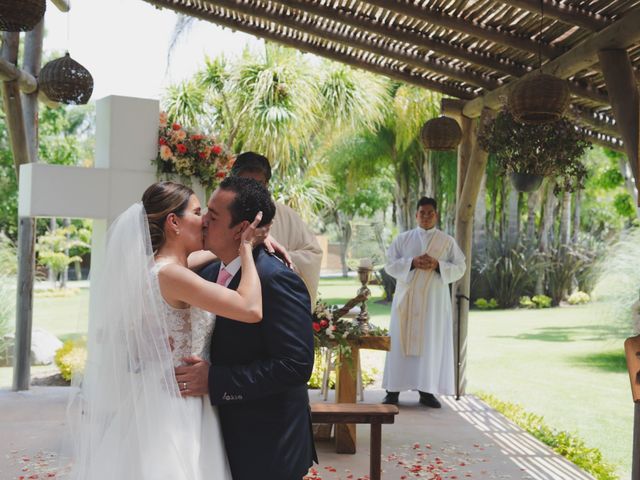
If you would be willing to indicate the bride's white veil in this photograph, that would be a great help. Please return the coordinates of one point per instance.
(128, 420)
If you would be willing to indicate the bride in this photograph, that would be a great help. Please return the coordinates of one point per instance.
(128, 418)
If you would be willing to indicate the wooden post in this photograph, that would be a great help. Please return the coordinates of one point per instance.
(21, 154)
(346, 393)
(375, 451)
(464, 238)
(625, 102)
(26, 225)
(632, 353)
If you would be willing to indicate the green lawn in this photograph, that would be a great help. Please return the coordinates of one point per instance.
(566, 364)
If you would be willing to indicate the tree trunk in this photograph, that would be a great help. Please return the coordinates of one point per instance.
(53, 226)
(503, 211)
(576, 216)
(565, 220)
(629, 182)
(345, 238)
(78, 269)
(480, 220)
(493, 212)
(64, 276)
(426, 176)
(532, 206)
(545, 230)
(514, 217)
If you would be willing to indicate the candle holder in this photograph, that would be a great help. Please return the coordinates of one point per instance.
(364, 273)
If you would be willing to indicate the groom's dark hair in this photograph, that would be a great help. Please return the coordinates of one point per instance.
(251, 162)
(251, 198)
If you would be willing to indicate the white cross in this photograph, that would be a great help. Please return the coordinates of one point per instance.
(126, 142)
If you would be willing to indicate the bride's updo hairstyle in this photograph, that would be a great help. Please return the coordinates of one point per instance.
(160, 200)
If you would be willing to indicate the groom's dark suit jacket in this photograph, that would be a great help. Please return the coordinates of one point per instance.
(258, 377)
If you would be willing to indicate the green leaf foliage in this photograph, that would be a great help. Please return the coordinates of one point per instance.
(552, 149)
(564, 443)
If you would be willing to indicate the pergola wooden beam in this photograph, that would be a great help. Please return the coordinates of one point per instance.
(13, 103)
(625, 102)
(621, 34)
(306, 23)
(569, 14)
(301, 41)
(600, 122)
(9, 73)
(394, 33)
(32, 60)
(476, 163)
(361, 22)
(435, 17)
(63, 5)
(295, 23)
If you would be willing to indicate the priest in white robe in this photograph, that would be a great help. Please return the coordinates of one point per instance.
(287, 229)
(424, 261)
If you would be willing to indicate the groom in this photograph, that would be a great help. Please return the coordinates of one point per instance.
(259, 372)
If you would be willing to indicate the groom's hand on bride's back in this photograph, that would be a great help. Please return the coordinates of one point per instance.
(193, 378)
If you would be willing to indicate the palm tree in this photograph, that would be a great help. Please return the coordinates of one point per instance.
(184, 103)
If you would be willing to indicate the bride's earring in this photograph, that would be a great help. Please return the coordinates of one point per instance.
(177, 232)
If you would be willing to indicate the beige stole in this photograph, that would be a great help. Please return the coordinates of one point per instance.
(412, 309)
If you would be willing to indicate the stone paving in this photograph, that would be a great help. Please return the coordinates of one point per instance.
(463, 440)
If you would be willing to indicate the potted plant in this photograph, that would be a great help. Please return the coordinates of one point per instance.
(531, 152)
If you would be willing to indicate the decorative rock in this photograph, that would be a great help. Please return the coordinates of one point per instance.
(44, 346)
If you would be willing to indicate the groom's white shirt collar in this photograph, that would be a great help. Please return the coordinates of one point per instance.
(232, 268)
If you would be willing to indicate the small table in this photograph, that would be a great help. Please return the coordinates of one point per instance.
(375, 415)
(346, 386)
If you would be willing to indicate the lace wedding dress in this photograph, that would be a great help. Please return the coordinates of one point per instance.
(128, 420)
(190, 330)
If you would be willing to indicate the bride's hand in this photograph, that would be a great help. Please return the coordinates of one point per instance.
(254, 235)
(274, 247)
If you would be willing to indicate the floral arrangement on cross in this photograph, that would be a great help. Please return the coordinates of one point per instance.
(191, 155)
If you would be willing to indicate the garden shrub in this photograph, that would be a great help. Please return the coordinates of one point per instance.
(483, 304)
(315, 381)
(564, 443)
(541, 301)
(8, 266)
(525, 302)
(510, 272)
(71, 357)
(538, 301)
(578, 298)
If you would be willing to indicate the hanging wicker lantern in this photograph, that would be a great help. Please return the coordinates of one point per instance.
(66, 81)
(442, 133)
(539, 98)
(21, 15)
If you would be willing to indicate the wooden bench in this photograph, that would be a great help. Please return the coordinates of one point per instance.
(351, 413)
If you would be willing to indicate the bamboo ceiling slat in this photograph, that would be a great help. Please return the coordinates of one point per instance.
(462, 48)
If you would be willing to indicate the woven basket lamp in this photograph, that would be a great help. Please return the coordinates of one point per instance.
(21, 15)
(539, 99)
(442, 133)
(66, 81)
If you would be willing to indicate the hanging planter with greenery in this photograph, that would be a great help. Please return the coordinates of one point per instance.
(548, 150)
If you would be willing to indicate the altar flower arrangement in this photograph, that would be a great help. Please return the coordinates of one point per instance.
(191, 155)
(332, 332)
